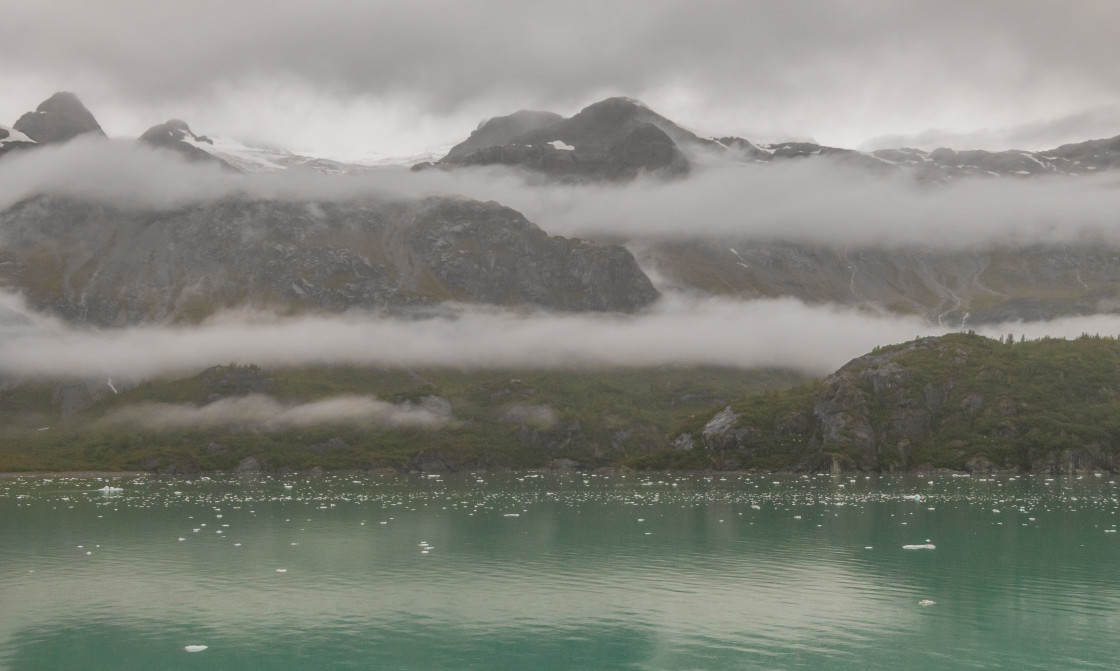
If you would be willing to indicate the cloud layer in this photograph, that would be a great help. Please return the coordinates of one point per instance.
(838, 70)
(268, 413)
(812, 200)
(766, 333)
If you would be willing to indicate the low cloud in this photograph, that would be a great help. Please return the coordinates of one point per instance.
(803, 201)
(267, 413)
(677, 330)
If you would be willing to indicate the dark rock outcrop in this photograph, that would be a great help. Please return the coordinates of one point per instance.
(177, 136)
(502, 130)
(613, 140)
(60, 118)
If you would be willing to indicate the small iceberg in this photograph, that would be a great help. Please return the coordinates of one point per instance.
(107, 489)
(926, 602)
(195, 648)
(923, 546)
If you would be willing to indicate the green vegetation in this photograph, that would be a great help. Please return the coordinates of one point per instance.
(594, 418)
(960, 401)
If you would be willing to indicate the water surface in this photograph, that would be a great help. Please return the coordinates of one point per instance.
(503, 571)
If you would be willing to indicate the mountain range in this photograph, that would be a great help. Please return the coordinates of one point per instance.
(91, 262)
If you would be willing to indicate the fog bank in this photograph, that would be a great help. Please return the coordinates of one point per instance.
(801, 200)
(268, 413)
(677, 330)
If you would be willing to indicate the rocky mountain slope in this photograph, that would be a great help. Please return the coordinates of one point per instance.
(177, 136)
(98, 264)
(959, 401)
(60, 118)
(951, 288)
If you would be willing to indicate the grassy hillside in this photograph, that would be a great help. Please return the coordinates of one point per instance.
(960, 402)
(499, 418)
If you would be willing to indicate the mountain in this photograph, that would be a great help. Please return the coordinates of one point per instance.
(98, 264)
(177, 136)
(614, 140)
(943, 165)
(949, 287)
(958, 401)
(617, 139)
(60, 118)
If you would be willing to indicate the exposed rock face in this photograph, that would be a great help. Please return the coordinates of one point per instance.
(60, 118)
(614, 140)
(99, 264)
(952, 288)
(177, 136)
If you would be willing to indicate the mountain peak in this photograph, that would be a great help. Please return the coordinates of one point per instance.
(176, 135)
(60, 118)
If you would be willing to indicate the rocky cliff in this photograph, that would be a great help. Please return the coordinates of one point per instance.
(95, 263)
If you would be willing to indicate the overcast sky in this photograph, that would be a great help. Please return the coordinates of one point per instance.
(352, 78)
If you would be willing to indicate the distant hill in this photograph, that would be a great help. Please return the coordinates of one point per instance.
(959, 401)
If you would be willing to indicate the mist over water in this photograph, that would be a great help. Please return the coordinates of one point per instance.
(676, 330)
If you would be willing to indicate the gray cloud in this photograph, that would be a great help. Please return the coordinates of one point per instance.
(267, 412)
(839, 70)
(780, 332)
(796, 200)
(1094, 123)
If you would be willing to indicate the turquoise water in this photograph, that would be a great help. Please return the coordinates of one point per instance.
(501, 571)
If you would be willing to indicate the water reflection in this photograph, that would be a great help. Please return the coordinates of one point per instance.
(664, 572)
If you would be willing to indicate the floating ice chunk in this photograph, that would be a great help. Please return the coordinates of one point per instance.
(108, 489)
(281, 570)
(923, 546)
(926, 602)
(195, 648)
(512, 515)
(561, 145)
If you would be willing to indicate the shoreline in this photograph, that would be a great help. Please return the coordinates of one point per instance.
(597, 471)
(74, 474)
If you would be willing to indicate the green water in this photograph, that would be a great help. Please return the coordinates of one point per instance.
(500, 571)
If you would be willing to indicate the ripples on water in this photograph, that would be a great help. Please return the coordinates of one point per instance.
(500, 571)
